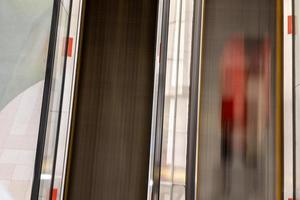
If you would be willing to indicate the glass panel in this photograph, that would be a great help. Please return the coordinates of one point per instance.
(54, 107)
(24, 39)
(67, 100)
(237, 135)
(178, 192)
(165, 191)
(173, 164)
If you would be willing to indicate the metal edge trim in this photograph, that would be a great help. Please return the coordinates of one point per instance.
(279, 101)
(294, 101)
(61, 99)
(200, 89)
(75, 99)
(74, 73)
(193, 102)
(155, 98)
(158, 117)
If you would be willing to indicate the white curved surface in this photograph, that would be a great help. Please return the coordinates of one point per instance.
(19, 123)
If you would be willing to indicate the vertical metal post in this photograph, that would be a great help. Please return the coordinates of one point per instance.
(279, 139)
(193, 118)
(158, 100)
(294, 101)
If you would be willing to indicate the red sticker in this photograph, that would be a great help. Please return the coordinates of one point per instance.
(290, 24)
(54, 194)
(70, 47)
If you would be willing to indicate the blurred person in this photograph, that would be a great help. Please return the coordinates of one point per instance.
(233, 101)
(258, 64)
(244, 82)
(258, 60)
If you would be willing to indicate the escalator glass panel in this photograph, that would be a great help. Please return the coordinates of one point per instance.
(55, 106)
(238, 105)
(176, 100)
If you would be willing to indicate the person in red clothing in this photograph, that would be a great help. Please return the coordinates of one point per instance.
(244, 79)
(233, 100)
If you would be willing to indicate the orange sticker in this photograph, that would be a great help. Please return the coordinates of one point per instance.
(70, 47)
(54, 194)
(290, 24)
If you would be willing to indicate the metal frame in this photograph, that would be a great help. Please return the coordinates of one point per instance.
(74, 100)
(294, 101)
(72, 95)
(46, 101)
(190, 189)
(279, 137)
(158, 100)
(61, 99)
(155, 98)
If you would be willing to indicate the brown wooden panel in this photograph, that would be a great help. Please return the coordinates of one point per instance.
(114, 104)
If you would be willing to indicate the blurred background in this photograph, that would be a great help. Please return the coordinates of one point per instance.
(143, 99)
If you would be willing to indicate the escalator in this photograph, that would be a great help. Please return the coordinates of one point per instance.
(235, 151)
(173, 100)
(112, 123)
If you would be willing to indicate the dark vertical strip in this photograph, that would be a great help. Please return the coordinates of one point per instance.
(161, 99)
(193, 104)
(111, 129)
(61, 100)
(294, 101)
(45, 103)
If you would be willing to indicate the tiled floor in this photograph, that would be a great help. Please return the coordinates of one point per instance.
(18, 136)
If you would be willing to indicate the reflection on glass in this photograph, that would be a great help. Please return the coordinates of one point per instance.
(24, 39)
(54, 107)
(173, 166)
(237, 138)
(244, 114)
(66, 112)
